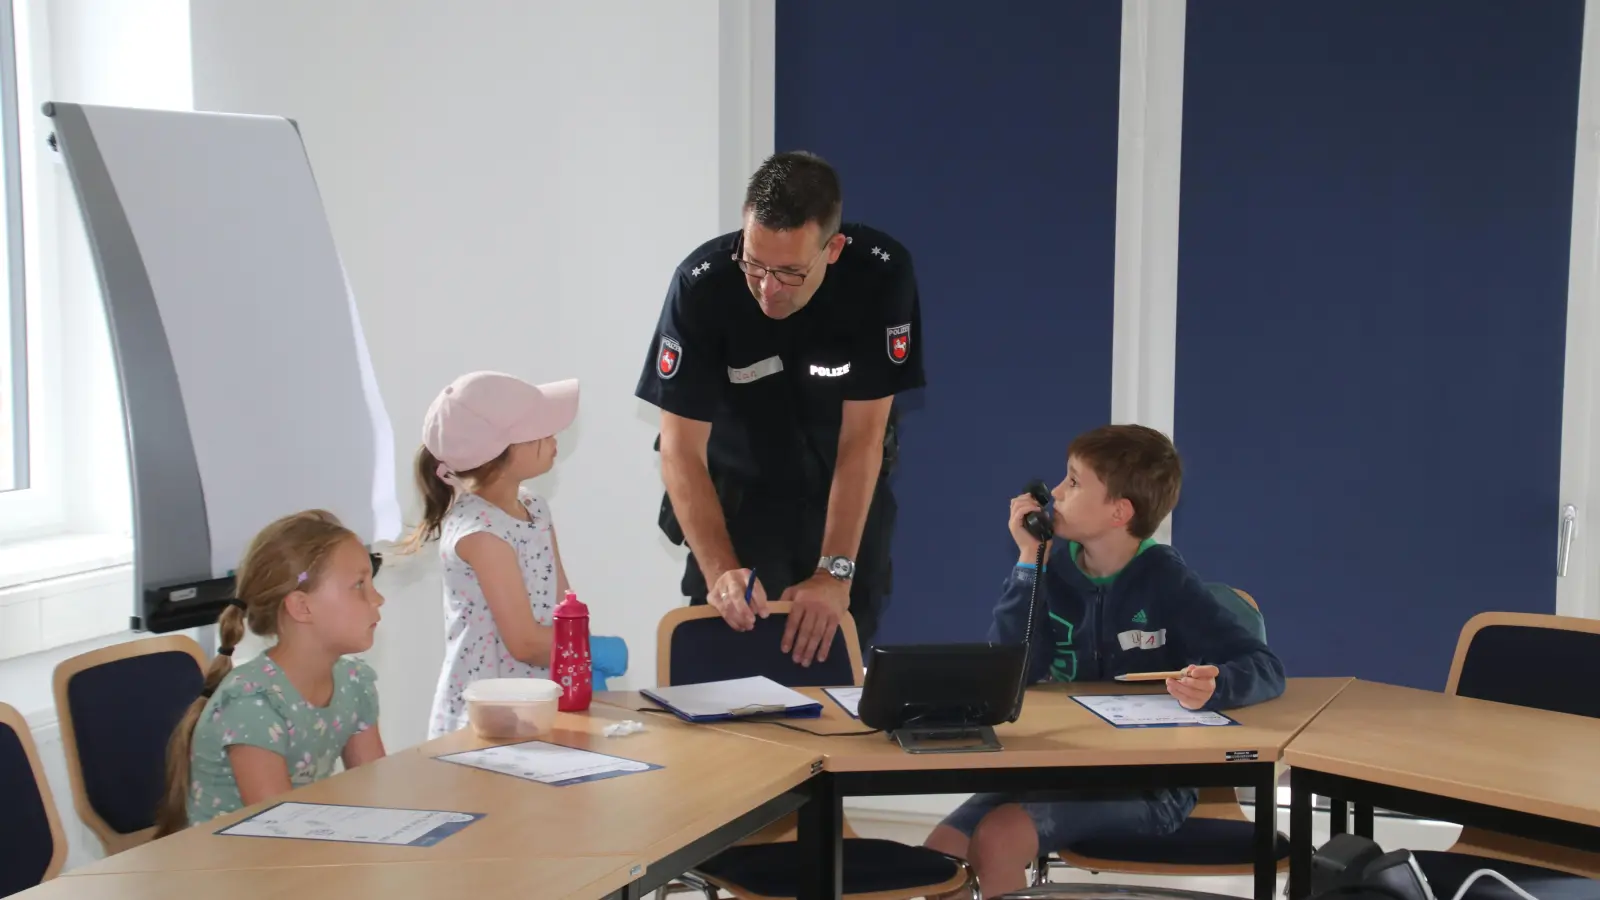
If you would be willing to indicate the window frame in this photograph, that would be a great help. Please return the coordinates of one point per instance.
(15, 408)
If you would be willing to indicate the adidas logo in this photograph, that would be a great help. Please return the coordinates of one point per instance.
(1139, 618)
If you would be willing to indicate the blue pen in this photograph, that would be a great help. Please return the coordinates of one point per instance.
(750, 587)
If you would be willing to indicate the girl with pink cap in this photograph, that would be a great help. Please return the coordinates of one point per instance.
(483, 437)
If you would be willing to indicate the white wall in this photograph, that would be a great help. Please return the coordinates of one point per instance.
(510, 186)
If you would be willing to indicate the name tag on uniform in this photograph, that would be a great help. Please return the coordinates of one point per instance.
(772, 365)
(1142, 640)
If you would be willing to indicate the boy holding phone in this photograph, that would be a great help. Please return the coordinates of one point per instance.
(1111, 602)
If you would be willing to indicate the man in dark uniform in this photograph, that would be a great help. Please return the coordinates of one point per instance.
(775, 364)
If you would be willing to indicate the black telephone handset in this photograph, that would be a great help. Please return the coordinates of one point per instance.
(1037, 524)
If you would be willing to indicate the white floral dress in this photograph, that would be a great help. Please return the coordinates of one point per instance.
(257, 706)
(473, 649)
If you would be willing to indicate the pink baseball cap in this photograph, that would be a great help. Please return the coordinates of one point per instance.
(480, 414)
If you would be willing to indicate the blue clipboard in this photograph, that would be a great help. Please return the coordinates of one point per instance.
(811, 710)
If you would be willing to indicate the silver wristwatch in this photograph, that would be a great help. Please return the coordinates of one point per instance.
(840, 567)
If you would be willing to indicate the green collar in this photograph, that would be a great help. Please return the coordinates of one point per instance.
(1074, 548)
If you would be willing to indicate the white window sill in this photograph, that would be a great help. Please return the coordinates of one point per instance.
(63, 590)
(40, 559)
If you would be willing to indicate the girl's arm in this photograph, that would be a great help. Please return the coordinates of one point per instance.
(495, 564)
(261, 774)
(363, 747)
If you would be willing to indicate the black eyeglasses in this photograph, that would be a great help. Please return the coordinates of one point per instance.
(784, 276)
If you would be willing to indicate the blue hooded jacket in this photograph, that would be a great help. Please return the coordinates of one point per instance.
(1156, 615)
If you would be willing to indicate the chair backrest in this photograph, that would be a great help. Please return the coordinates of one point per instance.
(1526, 659)
(694, 645)
(118, 707)
(32, 844)
(1248, 612)
(1243, 606)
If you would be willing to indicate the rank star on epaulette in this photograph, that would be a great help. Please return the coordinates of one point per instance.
(701, 269)
(880, 253)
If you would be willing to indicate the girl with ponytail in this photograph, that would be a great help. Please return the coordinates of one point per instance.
(484, 435)
(281, 720)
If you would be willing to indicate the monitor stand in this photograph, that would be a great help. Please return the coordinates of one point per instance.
(952, 738)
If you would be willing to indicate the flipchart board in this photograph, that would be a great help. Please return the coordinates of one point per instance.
(246, 382)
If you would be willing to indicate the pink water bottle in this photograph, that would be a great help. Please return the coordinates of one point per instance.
(569, 655)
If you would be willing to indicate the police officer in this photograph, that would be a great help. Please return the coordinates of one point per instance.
(775, 364)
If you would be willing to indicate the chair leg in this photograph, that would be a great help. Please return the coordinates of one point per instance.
(1041, 871)
(688, 882)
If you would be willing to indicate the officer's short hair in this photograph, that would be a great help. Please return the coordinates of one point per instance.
(793, 188)
(1137, 464)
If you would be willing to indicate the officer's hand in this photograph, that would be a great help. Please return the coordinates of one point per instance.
(819, 603)
(727, 596)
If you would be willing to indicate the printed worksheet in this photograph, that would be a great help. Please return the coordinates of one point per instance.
(548, 763)
(353, 824)
(849, 698)
(1149, 711)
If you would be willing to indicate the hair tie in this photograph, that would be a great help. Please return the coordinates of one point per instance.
(301, 578)
(225, 651)
(445, 475)
(236, 602)
(206, 693)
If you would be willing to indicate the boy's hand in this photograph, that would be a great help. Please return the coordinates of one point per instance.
(1195, 687)
(1026, 542)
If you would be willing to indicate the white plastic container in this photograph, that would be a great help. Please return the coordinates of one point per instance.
(501, 708)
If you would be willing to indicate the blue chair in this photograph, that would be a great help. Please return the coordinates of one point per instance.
(118, 707)
(32, 845)
(1216, 839)
(694, 645)
(1541, 662)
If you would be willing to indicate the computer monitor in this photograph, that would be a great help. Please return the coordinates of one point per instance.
(942, 697)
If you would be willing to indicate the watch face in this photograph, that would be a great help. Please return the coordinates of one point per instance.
(842, 568)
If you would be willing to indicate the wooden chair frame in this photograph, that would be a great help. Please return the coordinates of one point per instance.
(1492, 844)
(786, 828)
(11, 718)
(963, 880)
(670, 622)
(112, 840)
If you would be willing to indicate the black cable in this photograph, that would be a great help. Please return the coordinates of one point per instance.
(1027, 633)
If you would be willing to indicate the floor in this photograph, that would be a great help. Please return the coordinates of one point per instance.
(880, 820)
(1390, 833)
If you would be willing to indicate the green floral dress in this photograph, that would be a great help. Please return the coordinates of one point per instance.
(255, 705)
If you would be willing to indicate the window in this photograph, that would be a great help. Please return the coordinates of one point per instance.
(14, 318)
(65, 506)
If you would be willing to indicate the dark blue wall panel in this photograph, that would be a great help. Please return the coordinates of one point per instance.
(985, 138)
(1375, 219)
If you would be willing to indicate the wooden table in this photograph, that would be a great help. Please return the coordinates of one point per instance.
(1056, 744)
(580, 878)
(714, 788)
(1510, 769)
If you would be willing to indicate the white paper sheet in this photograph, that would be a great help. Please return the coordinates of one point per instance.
(1149, 711)
(353, 824)
(548, 763)
(849, 698)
